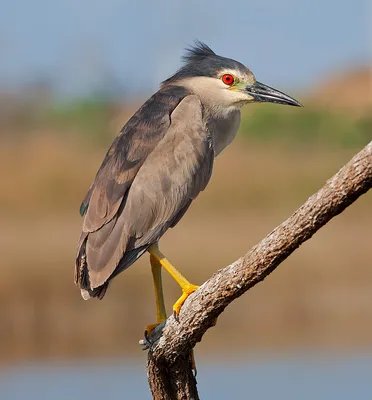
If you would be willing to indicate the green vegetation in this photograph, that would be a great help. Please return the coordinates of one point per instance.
(89, 118)
(266, 123)
(306, 126)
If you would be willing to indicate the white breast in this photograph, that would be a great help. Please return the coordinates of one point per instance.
(223, 127)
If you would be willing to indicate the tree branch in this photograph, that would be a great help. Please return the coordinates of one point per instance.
(169, 367)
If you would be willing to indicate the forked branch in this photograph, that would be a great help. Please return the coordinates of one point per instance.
(169, 368)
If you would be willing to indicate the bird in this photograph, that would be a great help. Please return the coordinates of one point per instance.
(158, 165)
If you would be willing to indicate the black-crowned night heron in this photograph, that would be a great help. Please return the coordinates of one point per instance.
(156, 167)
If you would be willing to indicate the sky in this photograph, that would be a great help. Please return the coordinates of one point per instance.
(128, 47)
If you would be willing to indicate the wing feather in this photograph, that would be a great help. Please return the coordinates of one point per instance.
(126, 155)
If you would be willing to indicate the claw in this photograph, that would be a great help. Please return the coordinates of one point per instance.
(151, 335)
(150, 328)
(145, 343)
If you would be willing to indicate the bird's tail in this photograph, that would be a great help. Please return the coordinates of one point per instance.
(98, 292)
(82, 275)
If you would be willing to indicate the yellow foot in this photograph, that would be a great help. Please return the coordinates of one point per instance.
(146, 342)
(186, 291)
(150, 328)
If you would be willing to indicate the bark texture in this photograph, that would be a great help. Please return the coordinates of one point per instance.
(169, 368)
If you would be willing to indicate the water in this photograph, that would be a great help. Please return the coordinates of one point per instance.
(306, 378)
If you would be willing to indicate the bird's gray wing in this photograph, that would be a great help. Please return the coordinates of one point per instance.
(172, 175)
(125, 157)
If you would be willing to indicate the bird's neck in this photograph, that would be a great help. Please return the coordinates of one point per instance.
(223, 124)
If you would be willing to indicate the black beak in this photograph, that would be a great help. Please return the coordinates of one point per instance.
(261, 92)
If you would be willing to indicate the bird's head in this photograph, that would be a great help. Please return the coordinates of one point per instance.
(223, 82)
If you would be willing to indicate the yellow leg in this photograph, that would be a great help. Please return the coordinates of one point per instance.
(157, 260)
(186, 286)
(161, 314)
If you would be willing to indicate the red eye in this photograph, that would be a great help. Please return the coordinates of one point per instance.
(228, 79)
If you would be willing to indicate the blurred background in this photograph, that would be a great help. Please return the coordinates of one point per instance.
(71, 74)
